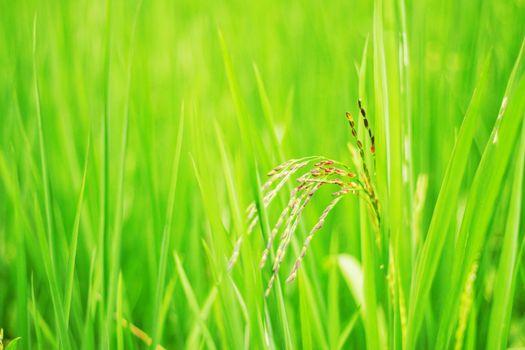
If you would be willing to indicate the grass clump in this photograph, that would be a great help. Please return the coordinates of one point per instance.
(131, 138)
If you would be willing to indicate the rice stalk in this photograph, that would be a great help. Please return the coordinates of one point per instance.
(465, 305)
(283, 172)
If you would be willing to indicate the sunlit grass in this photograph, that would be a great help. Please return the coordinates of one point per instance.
(134, 134)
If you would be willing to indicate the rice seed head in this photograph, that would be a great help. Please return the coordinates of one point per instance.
(251, 210)
(365, 121)
(359, 161)
(359, 146)
(341, 192)
(268, 183)
(350, 120)
(310, 236)
(324, 163)
(285, 177)
(235, 253)
(316, 172)
(467, 298)
(287, 234)
(337, 182)
(280, 167)
(293, 275)
(280, 220)
(283, 171)
(269, 287)
(324, 171)
(252, 225)
(297, 209)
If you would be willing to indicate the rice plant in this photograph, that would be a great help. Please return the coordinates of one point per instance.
(134, 133)
(356, 180)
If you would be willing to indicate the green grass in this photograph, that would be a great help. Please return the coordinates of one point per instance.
(133, 135)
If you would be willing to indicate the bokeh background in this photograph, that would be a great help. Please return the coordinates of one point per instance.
(135, 98)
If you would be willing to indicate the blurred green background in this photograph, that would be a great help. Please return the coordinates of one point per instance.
(125, 87)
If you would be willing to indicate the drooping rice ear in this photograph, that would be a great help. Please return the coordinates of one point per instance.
(291, 226)
(318, 226)
(288, 209)
(467, 298)
(284, 172)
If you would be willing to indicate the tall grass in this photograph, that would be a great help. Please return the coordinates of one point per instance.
(134, 134)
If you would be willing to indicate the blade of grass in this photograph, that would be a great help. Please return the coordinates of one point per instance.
(43, 330)
(265, 228)
(368, 248)
(116, 243)
(484, 190)
(231, 187)
(165, 243)
(13, 344)
(34, 312)
(93, 283)
(119, 313)
(104, 248)
(311, 315)
(482, 201)
(74, 237)
(334, 322)
(506, 277)
(268, 113)
(428, 259)
(204, 313)
(245, 314)
(240, 108)
(343, 337)
(20, 220)
(305, 316)
(58, 304)
(252, 288)
(193, 303)
(353, 275)
(166, 302)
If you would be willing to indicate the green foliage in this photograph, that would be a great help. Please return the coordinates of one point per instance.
(133, 134)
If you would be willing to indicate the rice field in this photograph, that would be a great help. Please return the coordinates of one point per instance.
(262, 175)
